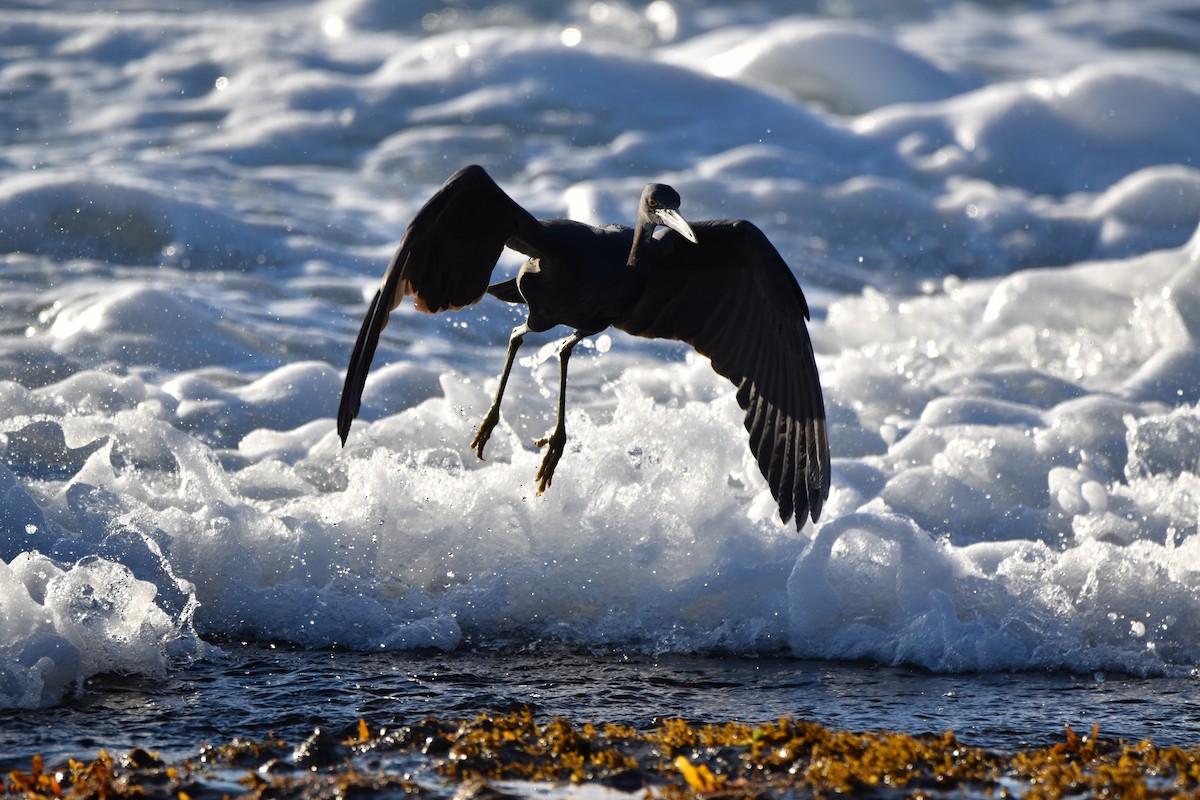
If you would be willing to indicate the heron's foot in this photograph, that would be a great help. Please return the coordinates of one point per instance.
(554, 444)
(485, 432)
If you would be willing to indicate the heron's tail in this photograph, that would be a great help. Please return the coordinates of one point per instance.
(507, 291)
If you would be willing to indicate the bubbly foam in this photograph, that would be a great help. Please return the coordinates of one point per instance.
(1000, 257)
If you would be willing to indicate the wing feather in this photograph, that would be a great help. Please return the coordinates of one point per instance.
(735, 300)
(444, 262)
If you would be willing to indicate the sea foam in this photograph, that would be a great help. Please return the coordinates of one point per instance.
(996, 233)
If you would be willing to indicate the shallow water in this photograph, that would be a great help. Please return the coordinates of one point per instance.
(992, 209)
(253, 691)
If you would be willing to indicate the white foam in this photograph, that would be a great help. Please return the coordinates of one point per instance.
(994, 218)
(62, 626)
(851, 69)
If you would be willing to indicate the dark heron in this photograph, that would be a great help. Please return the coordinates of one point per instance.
(719, 285)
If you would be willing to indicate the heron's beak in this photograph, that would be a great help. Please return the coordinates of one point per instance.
(672, 219)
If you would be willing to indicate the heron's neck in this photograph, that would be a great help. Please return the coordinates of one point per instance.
(641, 234)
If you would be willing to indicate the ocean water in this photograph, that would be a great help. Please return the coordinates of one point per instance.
(260, 692)
(992, 208)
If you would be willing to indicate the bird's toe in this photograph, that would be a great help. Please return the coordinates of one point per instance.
(478, 442)
(554, 444)
(484, 433)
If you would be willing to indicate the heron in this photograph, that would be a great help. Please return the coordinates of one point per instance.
(719, 285)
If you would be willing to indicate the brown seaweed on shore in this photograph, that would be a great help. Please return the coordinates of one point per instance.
(494, 756)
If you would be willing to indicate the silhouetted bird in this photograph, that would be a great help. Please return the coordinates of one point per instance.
(719, 285)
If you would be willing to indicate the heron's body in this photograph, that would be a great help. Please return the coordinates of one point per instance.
(577, 260)
(719, 285)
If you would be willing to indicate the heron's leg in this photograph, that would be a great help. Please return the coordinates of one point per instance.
(493, 414)
(558, 439)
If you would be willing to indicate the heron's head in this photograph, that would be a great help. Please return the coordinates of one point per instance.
(660, 206)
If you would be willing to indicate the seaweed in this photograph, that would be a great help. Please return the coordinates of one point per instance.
(494, 756)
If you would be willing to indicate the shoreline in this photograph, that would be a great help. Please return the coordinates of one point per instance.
(515, 755)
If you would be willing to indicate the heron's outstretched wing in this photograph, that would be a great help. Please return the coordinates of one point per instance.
(735, 300)
(444, 262)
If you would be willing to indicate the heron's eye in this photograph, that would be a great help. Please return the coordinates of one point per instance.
(652, 203)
